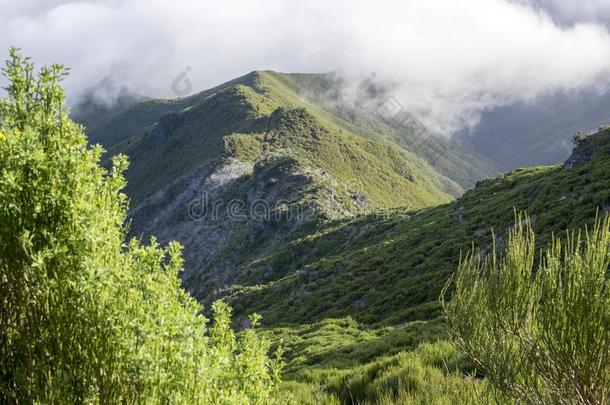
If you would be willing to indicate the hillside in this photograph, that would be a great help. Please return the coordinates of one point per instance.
(359, 317)
(374, 116)
(323, 96)
(388, 268)
(254, 164)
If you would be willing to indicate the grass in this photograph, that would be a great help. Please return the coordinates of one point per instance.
(324, 94)
(340, 361)
(234, 120)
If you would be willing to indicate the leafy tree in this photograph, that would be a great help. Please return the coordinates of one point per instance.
(84, 315)
(538, 326)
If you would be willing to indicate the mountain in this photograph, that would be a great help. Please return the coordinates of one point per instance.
(359, 318)
(238, 172)
(96, 103)
(322, 95)
(285, 196)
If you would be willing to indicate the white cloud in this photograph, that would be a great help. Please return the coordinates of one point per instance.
(448, 59)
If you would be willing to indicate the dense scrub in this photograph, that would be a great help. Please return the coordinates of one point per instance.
(86, 316)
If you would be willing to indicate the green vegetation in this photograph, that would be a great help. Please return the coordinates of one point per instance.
(86, 317)
(255, 139)
(382, 247)
(337, 360)
(251, 124)
(371, 168)
(323, 95)
(348, 296)
(389, 268)
(537, 327)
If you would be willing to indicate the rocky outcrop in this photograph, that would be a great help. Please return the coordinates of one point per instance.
(589, 147)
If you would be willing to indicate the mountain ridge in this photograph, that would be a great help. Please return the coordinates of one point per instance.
(251, 140)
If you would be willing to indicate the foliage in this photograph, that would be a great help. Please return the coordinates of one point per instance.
(340, 361)
(432, 373)
(263, 151)
(382, 270)
(332, 346)
(324, 94)
(538, 327)
(84, 316)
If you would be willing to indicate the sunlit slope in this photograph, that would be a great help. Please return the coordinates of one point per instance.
(389, 268)
(254, 141)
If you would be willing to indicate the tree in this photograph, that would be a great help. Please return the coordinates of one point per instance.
(84, 315)
(539, 336)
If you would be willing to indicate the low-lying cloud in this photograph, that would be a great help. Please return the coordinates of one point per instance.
(446, 60)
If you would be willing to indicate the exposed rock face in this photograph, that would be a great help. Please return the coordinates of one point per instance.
(234, 213)
(588, 148)
(218, 213)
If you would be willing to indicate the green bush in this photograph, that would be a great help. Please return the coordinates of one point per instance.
(85, 316)
(340, 361)
(538, 326)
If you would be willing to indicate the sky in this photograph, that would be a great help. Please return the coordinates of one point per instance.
(447, 61)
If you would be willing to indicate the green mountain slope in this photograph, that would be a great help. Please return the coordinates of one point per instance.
(389, 268)
(374, 115)
(237, 171)
(323, 96)
(359, 317)
(343, 225)
(109, 125)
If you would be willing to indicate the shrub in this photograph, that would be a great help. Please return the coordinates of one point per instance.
(85, 316)
(538, 327)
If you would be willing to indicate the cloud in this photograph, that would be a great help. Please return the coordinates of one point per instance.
(446, 60)
(570, 12)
